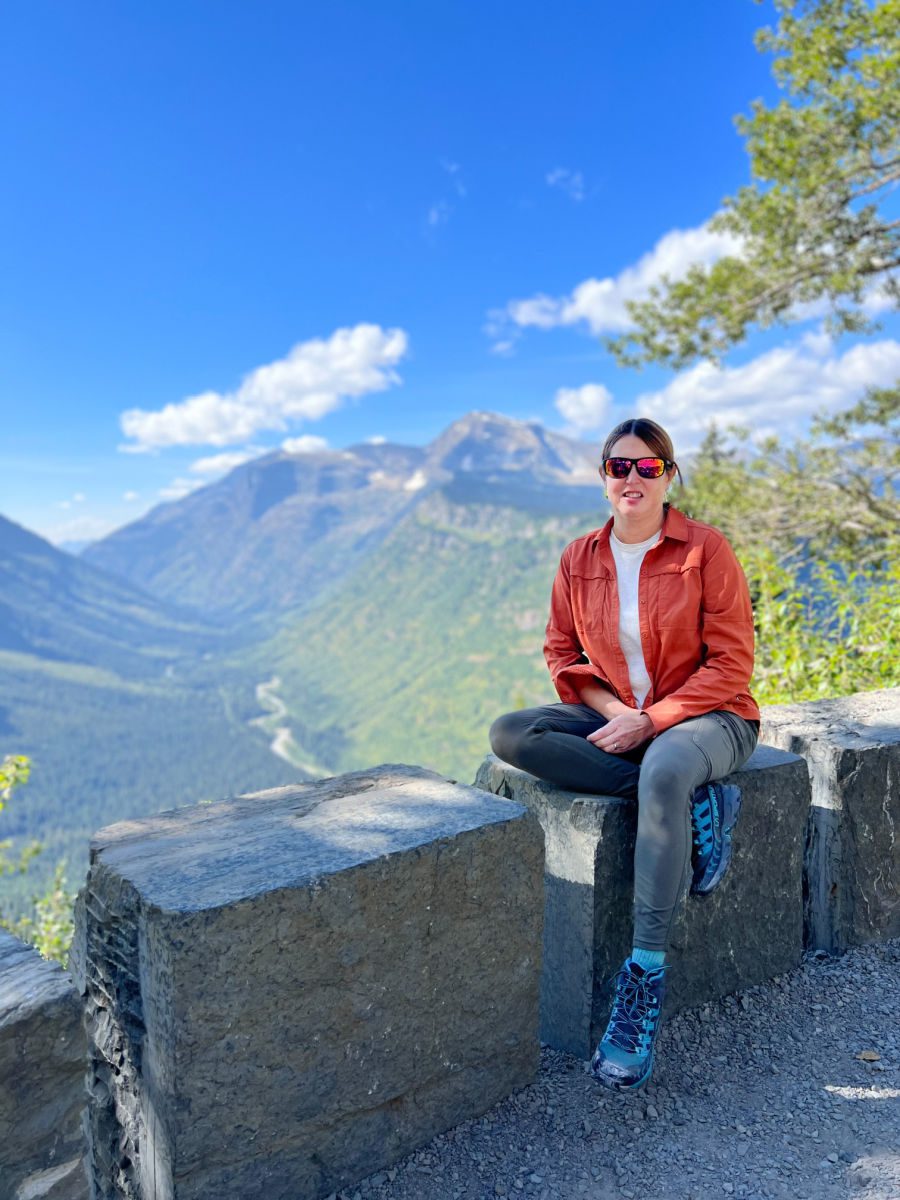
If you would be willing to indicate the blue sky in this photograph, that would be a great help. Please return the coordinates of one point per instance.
(230, 226)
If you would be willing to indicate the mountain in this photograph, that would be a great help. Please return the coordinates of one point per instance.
(502, 448)
(55, 606)
(414, 654)
(375, 604)
(123, 705)
(276, 532)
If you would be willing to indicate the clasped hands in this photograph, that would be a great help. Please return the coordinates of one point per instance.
(623, 732)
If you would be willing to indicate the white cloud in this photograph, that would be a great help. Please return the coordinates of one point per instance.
(82, 528)
(307, 444)
(313, 380)
(77, 498)
(218, 464)
(773, 394)
(599, 304)
(442, 210)
(377, 439)
(179, 488)
(453, 170)
(439, 214)
(584, 408)
(878, 299)
(570, 182)
(130, 497)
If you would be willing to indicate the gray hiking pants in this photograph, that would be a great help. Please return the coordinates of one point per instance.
(550, 742)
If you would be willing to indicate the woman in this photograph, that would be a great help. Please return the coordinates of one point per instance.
(650, 647)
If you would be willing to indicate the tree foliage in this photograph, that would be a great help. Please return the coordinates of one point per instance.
(14, 770)
(815, 523)
(815, 526)
(49, 927)
(812, 227)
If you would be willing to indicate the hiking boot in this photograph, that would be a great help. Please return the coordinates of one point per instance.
(624, 1058)
(714, 813)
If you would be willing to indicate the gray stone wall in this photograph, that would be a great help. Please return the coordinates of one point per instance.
(42, 1096)
(286, 991)
(852, 746)
(748, 930)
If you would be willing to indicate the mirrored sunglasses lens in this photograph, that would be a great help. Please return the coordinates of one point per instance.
(650, 468)
(618, 468)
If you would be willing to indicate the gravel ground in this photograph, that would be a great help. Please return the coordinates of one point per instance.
(763, 1094)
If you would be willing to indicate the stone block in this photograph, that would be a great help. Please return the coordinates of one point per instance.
(852, 746)
(748, 930)
(289, 990)
(42, 1063)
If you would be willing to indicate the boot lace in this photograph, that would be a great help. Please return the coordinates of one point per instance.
(634, 1014)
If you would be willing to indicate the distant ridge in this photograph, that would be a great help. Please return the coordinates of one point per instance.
(118, 700)
(353, 606)
(59, 607)
(276, 531)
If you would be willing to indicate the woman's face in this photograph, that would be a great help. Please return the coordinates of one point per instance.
(635, 496)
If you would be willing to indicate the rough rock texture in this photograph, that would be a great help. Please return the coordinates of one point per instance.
(287, 990)
(748, 930)
(42, 1056)
(852, 745)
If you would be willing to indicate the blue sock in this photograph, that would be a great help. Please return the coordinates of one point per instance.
(648, 959)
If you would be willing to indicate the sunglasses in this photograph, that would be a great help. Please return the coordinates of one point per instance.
(647, 468)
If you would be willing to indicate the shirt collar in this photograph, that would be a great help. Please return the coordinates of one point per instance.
(674, 526)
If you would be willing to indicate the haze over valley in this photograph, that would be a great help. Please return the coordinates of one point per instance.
(305, 615)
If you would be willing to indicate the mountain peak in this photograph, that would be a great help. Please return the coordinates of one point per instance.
(486, 442)
(278, 529)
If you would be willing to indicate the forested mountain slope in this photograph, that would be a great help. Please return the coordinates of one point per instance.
(277, 532)
(412, 656)
(122, 704)
(58, 607)
(383, 603)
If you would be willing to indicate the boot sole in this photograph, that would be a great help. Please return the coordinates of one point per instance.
(615, 1086)
(731, 795)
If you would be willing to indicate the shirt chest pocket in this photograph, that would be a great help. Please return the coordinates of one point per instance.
(591, 603)
(676, 598)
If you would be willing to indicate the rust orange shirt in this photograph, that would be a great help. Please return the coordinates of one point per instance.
(695, 617)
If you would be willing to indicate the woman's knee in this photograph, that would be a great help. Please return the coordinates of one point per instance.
(506, 736)
(658, 779)
(673, 766)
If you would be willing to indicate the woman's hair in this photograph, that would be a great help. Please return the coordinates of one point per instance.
(648, 431)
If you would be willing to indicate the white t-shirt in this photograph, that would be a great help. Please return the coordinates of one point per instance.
(628, 559)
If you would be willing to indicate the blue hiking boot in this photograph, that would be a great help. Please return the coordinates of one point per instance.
(714, 813)
(624, 1058)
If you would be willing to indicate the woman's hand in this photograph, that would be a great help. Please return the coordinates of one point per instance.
(623, 732)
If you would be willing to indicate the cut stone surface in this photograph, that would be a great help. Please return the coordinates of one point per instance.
(42, 1096)
(746, 931)
(852, 746)
(288, 990)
